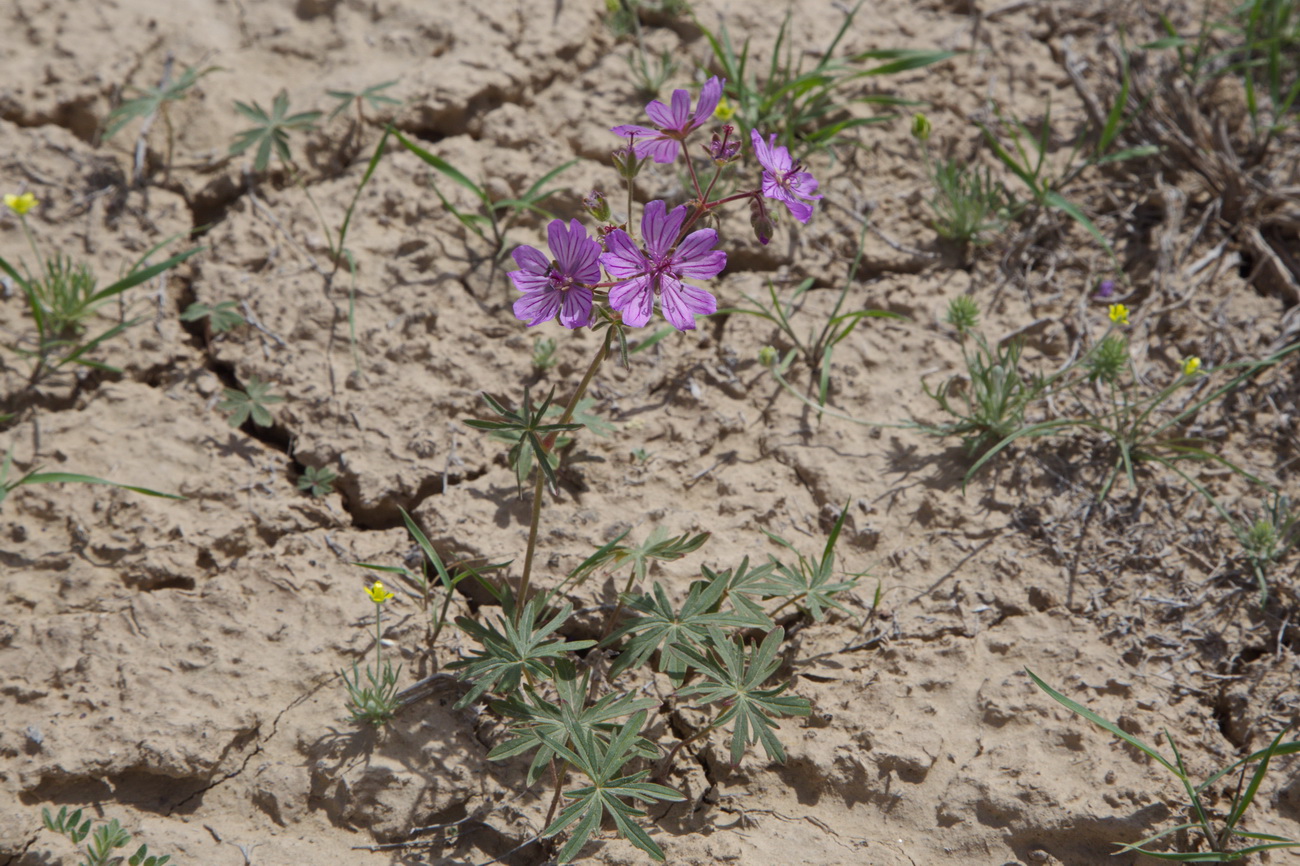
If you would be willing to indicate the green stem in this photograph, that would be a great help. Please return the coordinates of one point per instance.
(31, 239)
(539, 488)
(379, 647)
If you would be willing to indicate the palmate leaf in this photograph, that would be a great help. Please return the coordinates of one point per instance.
(250, 403)
(656, 546)
(735, 680)
(602, 762)
(811, 585)
(660, 626)
(526, 429)
(271, 131)
(151, 99)
(507, 652)
(538, 720)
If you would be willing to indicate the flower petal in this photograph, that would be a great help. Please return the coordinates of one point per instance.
(635, 300)
(681, 303)
(659, 227)
(526, 282)
(575, 311)
(710, 96)
(624, 260)
(537, 307)
(531, 260)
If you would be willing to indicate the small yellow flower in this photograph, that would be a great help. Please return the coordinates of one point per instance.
(1191, 366)
(378, 594)
(20, 204)
(1119, 314)
(725, 111)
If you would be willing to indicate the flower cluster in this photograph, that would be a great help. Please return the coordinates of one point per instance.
(567, 285)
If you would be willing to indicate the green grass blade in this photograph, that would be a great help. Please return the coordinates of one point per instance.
(69, 477)
(444, 167)
(135, 278)
(1097, 720)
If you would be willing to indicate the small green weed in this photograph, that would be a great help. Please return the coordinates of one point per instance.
(221, 318)
(250, 403)
(153, 102)
(968, 204)
(270, 132)
(544, 354)
(105, 839)
(318, 481)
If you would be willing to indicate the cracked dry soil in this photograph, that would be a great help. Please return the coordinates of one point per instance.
(175, 664)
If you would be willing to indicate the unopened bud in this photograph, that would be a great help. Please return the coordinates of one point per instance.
(767, 356)
(596, 205)
(626, 163)
(722, 149)
(920, 127)
(762, 223)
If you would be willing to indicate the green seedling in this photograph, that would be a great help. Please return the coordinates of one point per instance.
(270, 133)
(318, 481)
(153, 102)
(221, 318)
(374, 702)
(1220, 840)
(371, 96)
(811, 583)
(105, 839)
(249, 403)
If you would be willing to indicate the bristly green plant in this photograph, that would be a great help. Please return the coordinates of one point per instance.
(808, 109)
(105, 839)
(249, 403)
(221, 318)
(270, 132)
(1220, 841)
(995, 395)
(63, 298)
(1267, 537)
(968, 204)
(318, 481)
(544, 354)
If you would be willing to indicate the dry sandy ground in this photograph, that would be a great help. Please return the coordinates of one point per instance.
(175, 665)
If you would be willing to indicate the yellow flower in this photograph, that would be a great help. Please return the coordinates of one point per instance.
(378, 594)
(1191, 366)
(20, 204)
(724, 111)
(1119, 314)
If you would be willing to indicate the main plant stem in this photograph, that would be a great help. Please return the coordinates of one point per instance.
(539, 488)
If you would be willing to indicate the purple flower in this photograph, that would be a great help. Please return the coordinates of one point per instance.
(784, 179)
(658, 269)
(675, 123)
(1105, 290)
(560, 287)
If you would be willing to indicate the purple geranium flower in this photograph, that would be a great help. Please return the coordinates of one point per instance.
(784, 179)
(562, 286)
(658, 269)
(675, 123)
